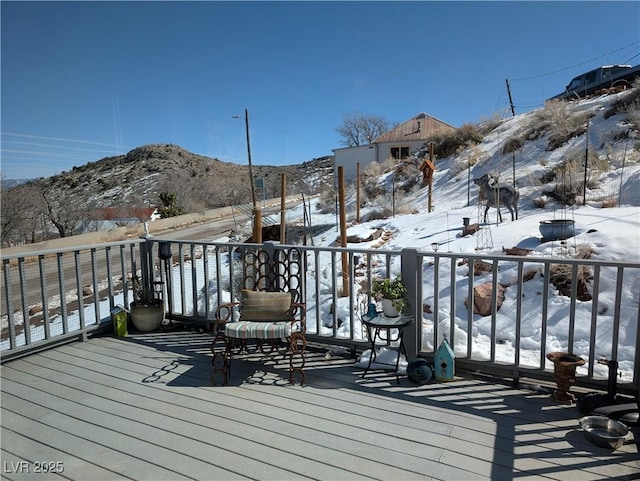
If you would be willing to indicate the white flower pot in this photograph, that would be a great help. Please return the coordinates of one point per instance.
(387, 308)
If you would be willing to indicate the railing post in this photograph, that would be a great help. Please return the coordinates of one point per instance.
(409, 261)
(146, 264)
(636, 364)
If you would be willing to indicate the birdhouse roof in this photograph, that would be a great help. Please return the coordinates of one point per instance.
(445, 349)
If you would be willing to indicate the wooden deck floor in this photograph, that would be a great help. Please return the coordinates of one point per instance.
(142, 407)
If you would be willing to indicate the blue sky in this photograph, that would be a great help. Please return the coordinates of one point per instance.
(86, 80)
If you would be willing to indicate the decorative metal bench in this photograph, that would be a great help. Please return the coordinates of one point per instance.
(270, 313)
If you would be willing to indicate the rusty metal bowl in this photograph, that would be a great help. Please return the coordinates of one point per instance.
(603, 431)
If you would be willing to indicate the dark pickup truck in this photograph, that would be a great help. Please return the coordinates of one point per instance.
(602, 78)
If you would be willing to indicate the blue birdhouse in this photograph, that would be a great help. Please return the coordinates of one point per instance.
(444, 362)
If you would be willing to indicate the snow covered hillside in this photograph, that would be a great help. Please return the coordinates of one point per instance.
(607, 226)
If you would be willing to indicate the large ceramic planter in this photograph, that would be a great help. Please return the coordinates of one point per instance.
(558, 229)
(147, 318)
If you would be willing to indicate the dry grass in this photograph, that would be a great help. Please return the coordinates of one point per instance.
(609, 202)
(559, 123)
(561, 277)
(474, 154)
(565, 182)
(449, 143)
(512, 144)
(327, 201)
(540, 202)
(584, 251)
(629, 106)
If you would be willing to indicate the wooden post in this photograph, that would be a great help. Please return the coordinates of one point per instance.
(358, 192)
(283, 201)
(432, 160)
(343, 232)
(586, 164)
(257, 226)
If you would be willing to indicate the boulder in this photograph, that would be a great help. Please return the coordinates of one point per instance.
(482, 296)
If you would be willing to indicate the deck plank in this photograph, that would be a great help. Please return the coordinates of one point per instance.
(143, 407)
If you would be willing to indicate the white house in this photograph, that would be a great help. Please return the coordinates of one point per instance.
(397, 143)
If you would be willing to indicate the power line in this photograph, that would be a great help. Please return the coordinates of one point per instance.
(576, 65)
(529, 106)
(60, 139)
(285, 133)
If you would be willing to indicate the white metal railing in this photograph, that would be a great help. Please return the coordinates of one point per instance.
(62, 294)
(514, 337)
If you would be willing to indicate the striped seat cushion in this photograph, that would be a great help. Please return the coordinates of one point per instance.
(260, 330)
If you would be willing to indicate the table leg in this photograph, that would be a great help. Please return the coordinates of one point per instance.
(372, 341)
(401, 349)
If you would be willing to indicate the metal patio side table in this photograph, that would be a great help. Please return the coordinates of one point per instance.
(376, 325)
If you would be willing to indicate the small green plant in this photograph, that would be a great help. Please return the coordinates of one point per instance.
(170, 207)
(394, 290)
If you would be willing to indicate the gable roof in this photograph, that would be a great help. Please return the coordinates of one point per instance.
(122, 213)
(420, 127)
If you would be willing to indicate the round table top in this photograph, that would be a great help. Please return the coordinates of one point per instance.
(381, 321)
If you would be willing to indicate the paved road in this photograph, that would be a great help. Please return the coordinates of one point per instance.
(239, 221)
(207, 231)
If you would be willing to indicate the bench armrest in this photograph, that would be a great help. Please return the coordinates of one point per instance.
(225, 311)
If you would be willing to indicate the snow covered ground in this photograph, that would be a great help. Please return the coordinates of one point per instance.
(611, 233)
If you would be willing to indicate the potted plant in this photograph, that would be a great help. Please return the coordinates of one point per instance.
(147, 311)
(392, 294)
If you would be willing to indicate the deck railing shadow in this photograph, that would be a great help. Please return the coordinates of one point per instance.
(525, 414)
(528, 411)
(186, 347)
(525, 425)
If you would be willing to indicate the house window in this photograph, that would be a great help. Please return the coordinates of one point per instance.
(399, 152)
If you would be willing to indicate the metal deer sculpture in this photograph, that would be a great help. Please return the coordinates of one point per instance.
(498, 195)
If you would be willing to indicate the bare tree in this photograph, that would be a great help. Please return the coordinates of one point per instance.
(21, 217)
(362, 129)
(65, 216)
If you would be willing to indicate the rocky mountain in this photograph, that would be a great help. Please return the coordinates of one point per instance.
(8, 183)
(138, 177)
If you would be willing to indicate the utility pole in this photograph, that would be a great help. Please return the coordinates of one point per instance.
(257, 214)
(513, 111)
(253, 188)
